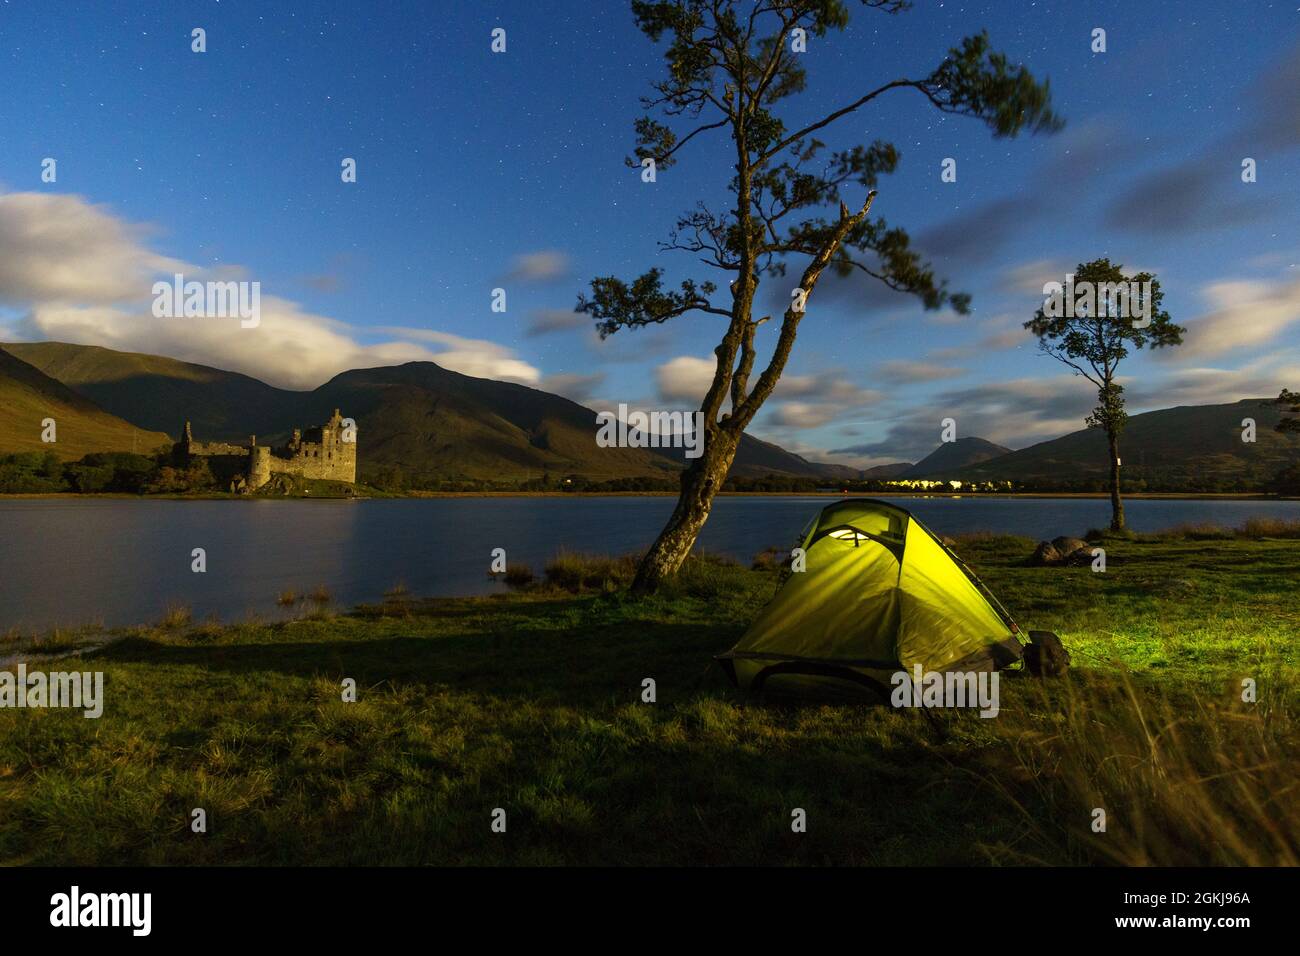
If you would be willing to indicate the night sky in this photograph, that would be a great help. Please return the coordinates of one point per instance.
(478, 170)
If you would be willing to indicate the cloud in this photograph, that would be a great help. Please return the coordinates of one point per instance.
(290, 348)
(324, 282)
(84, 276)
(63, 249)
(1001, 334)
(685, 378)
(1203, 193)
(804, 414)
(1015, 338)
(330, 279)
(800, 401)
(1274, 123)
(544, 321)
(828, 386)
(1015, 413)
(903, 372)
(578, 388)
(1245, 313)
(1217, 386)
(1082, 155)
(478, 357)
(1206, 192)
(1084, 152)
(979, 234)
(1029, 278)
(546, 265)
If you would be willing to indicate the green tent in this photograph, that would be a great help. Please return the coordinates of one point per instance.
(879, 594)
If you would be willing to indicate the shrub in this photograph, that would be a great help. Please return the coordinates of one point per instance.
(1270, 528)
(1194, 532)
(176, 615)
(1287, 481)
(31, 473)
(586, 572)
(518, 575)
(770, 559)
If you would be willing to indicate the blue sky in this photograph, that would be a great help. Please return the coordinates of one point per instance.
(478, 170)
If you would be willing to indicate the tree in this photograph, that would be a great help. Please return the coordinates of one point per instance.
(1090, 326)
(1287, 481)
(729, 66)
(1290, 402)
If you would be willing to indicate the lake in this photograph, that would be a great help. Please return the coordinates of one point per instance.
(68, 562)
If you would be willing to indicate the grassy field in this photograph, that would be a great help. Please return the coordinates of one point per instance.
(531, 702)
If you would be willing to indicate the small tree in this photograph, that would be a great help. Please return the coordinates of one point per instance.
(729, 67)
(1090, 327)
(1290, 402)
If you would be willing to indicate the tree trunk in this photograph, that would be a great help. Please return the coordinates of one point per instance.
(700, 482)
(705, 475)
(1116, 504)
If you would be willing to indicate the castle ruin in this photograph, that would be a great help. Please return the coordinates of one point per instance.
(327, 452)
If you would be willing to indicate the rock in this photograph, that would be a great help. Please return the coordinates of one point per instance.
(1046, 555)
(1080, 558)
(1045, 655)
(1068, 546)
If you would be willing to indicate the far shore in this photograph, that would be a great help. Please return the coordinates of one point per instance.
(225, 496)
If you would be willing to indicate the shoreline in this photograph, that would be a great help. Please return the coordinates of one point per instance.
(22, 641)
(226, 496)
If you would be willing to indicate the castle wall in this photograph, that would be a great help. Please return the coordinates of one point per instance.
(332, 462)
(214, 449)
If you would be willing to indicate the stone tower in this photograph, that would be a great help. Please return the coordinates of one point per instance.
(259, 466)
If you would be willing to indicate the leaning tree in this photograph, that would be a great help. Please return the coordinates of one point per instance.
(1090, 326)
(729, 68)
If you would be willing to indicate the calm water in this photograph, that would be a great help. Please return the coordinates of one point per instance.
(116, 561)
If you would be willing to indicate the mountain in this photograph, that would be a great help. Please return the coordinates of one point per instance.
(954, 456)
(885, 472)
(427, 421)
(1191, 446)
(160, 393)
(28, 396)
(436, 423)
(432, 423)
(756, 458)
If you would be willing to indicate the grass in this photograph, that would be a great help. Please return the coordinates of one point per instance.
(578, 572)
(531, 701)
(175, 616)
